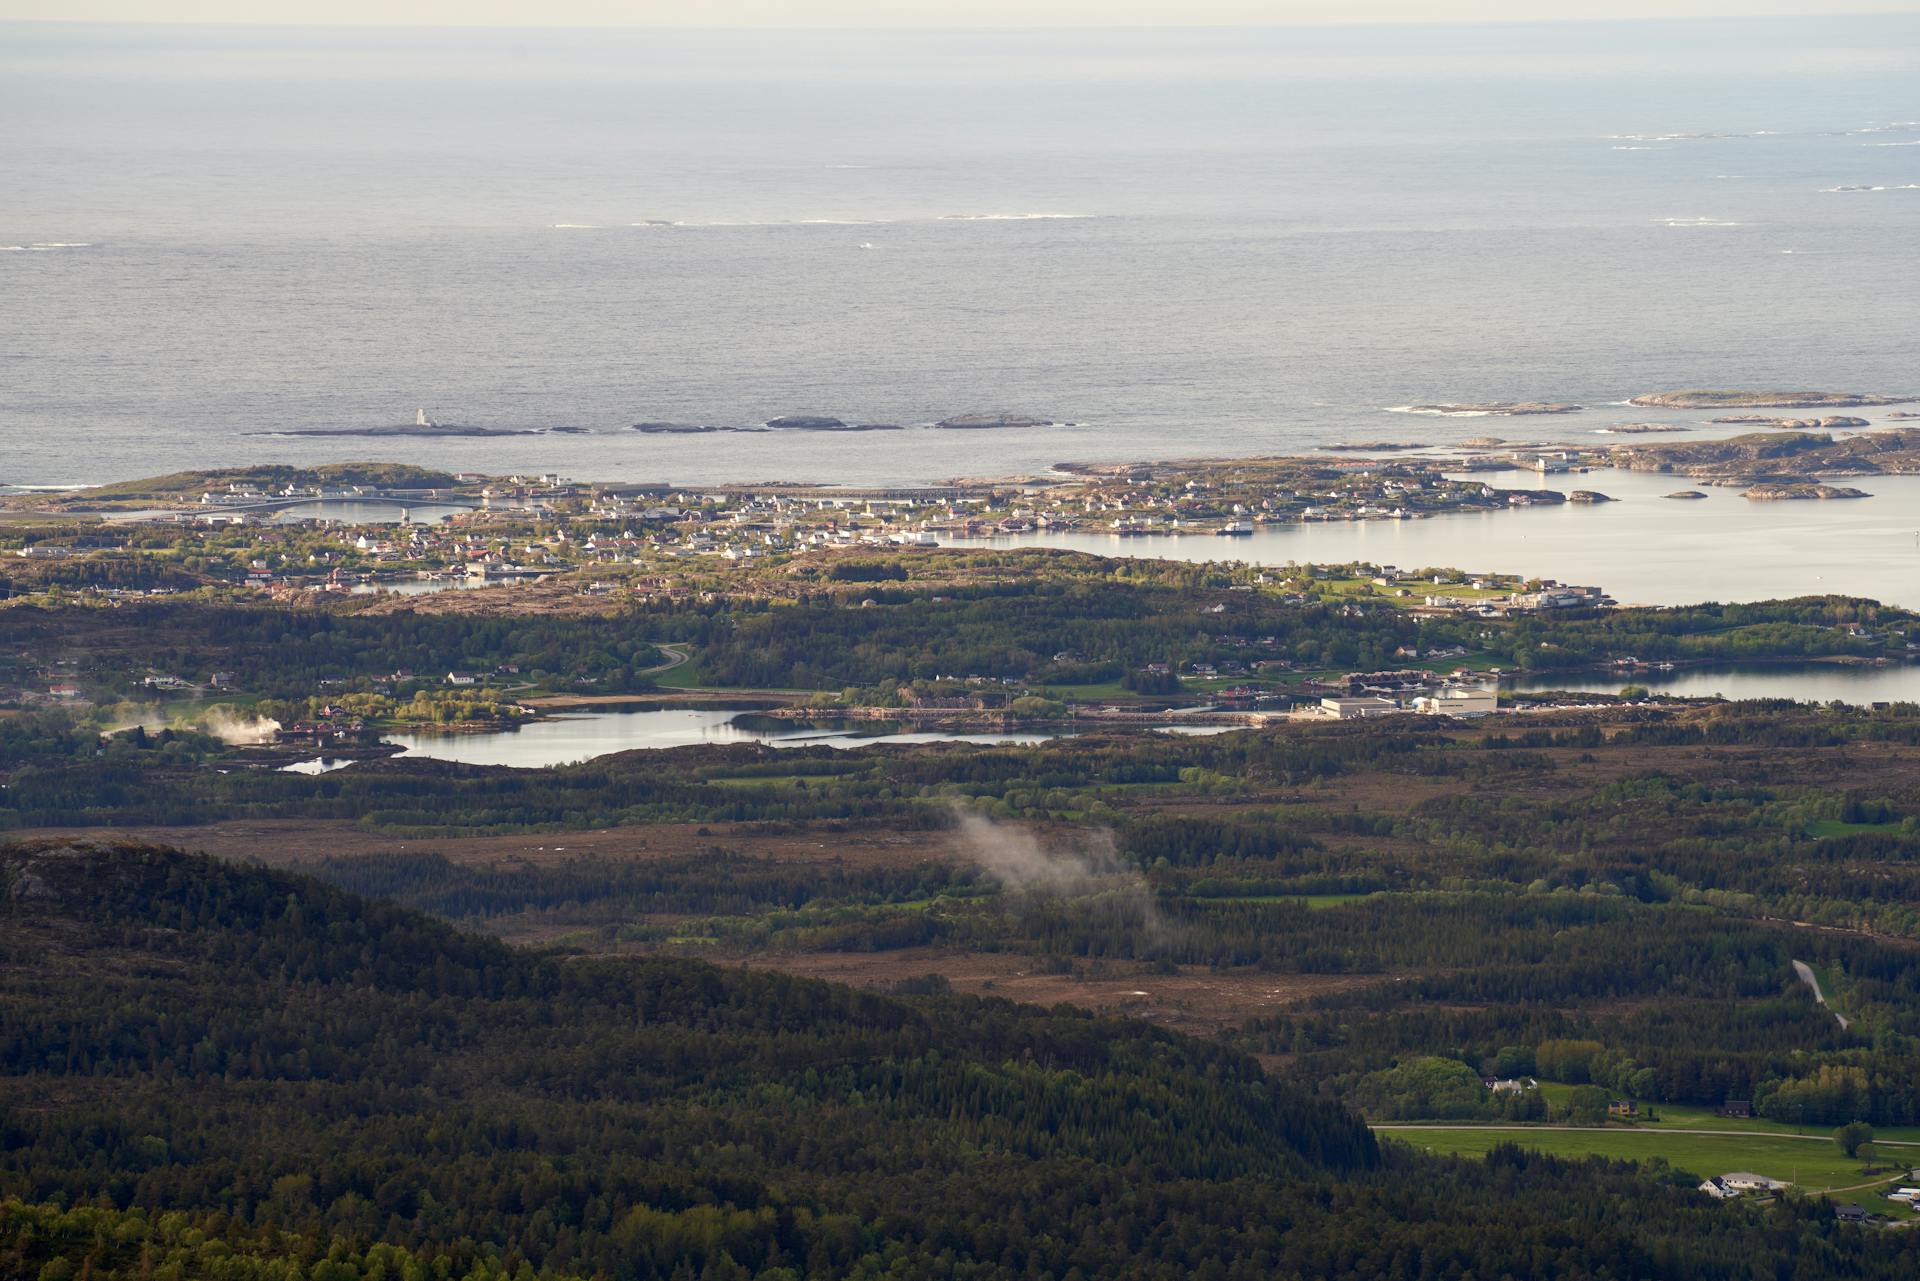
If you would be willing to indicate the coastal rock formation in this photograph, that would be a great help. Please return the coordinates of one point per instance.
(1833, 422)
(1697, 398)
(676, 429)
(1588, 496)
(1498, 408)
(429, 431)
(1375, 446)
(806, 422)
(977, 421)
(1483, 442)
(1643, 429)
(1776, 491)
(1895, 451)
(1687, 494)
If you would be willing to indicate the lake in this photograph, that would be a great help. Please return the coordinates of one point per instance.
(1643, 549)
(565, 740)
(1808, 682)
(569, 739)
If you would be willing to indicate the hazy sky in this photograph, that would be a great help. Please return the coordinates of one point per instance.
(938, 13)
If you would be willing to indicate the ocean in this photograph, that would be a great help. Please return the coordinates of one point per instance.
(1182, 243)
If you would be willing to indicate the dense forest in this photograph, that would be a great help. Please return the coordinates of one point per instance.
(461, 1050)
(227, 1071)
(282, 653)
(1058, 624)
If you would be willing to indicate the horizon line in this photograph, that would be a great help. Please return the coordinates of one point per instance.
(1304, 22)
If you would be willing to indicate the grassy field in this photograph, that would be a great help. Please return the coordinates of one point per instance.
(1824, 827)
(1813, 1165)
(684, 676)
(1683, 1116)
(1308, 900)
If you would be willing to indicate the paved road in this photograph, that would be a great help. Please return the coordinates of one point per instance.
(676, 655)
(1812, 980)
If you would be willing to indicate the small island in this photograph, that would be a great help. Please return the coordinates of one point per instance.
(824, 422)
(1588, 496)
(1497, 409)
(1800, 490)
(1688, 495)
(1697, 398)
(975, 422)
(1833, 422)
(820, 422)
(1643, 429)
(425, 431)
(1892, 451)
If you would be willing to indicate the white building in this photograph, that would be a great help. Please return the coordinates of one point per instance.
(1746, 1181)
(1352, 709)
(1483, 701)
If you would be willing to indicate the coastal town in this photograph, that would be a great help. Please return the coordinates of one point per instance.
(337, 530)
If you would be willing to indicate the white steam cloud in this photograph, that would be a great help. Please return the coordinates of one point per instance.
(1113, 888)
(1019, 862)
(225, 723)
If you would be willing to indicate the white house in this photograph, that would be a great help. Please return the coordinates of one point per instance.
(1747, 1181)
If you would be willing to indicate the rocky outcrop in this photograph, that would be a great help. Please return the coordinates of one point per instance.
(1588, 496)
(1709, 399)
(1499, 408)
(1801, 490)
(805, 422)
(1833, 422)
(1688, 495)
(978, 421)
(1644, 429)
(1892, 451)
(676, 429)
(431, 431)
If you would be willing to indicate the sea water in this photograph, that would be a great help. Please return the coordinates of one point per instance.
(1185, 243)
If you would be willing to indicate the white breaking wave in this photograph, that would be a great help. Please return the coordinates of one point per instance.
(1695, 222)
(1678, 137)
(685, 224)
(1911, 142)
(1439, 413)
(574, 226)
(1898, 186)
(45, 246)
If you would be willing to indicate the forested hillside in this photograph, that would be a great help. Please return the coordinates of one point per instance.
(322, 1086)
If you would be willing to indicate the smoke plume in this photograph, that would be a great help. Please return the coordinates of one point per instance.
(225, 723)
